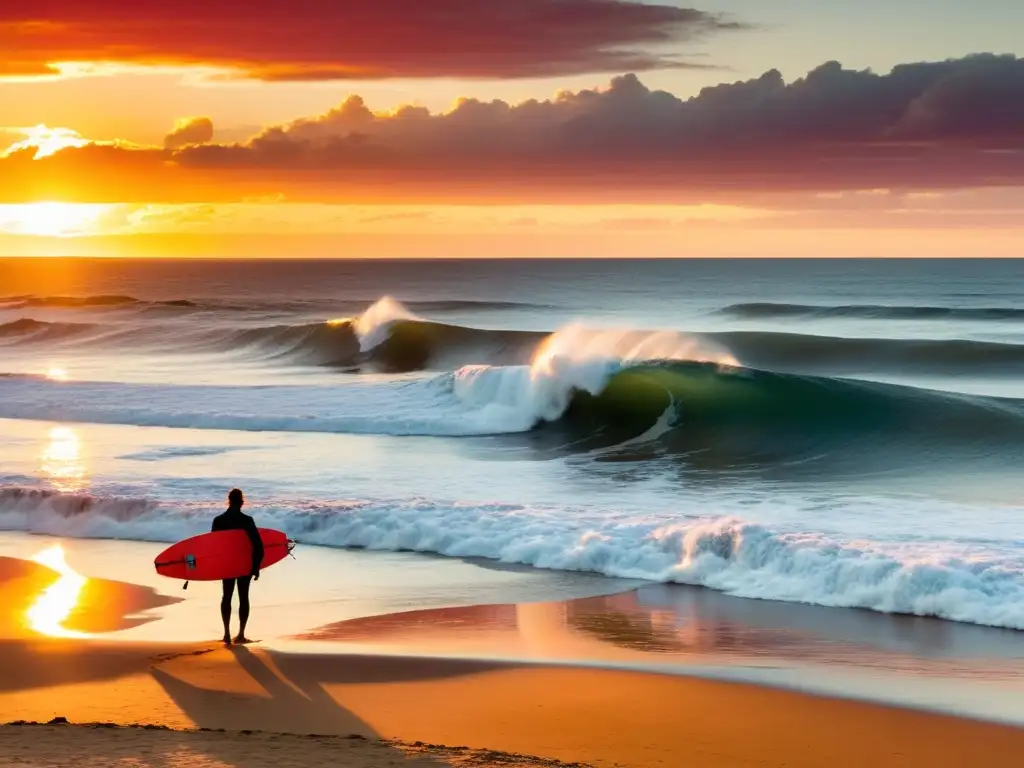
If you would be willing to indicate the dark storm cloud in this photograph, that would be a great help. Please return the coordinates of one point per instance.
(346, 39)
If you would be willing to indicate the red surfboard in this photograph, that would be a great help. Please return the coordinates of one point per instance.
(220, 555)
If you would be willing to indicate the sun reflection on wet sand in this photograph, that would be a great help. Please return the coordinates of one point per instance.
(62, 460)
(52, 608)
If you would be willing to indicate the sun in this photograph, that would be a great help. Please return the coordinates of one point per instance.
(50, 219)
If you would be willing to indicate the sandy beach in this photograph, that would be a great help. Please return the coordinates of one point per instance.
(203, 704)
(599, 717)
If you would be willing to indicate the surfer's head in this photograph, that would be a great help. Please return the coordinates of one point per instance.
(235, 498)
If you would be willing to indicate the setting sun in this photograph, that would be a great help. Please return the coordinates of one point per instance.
(46, 141)
(50, 219)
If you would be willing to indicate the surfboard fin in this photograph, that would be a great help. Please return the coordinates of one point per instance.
(185, 585)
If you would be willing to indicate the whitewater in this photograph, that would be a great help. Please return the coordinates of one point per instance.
(821, 443)
(970, 581)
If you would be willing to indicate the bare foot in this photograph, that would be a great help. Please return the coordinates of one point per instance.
(242, 640)
(227, 639)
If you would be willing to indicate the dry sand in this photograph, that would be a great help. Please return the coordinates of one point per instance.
(591, 716)
(100, 745)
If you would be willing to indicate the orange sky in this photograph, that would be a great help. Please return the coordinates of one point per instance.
(589, 127)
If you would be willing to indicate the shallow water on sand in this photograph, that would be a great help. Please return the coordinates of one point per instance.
(383, 603)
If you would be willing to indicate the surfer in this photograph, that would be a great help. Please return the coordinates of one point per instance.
(234, 519)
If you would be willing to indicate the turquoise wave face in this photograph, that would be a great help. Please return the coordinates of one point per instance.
(746, 414)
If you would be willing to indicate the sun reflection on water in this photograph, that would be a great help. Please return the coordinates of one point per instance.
(49, 612)
(62, 460)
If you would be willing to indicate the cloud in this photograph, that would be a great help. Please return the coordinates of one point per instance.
(923, 126)
(189, 130)
(40, 140)
(353, 39)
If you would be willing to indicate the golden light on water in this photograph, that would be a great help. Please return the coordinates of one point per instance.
(62, 460)
(53, 606)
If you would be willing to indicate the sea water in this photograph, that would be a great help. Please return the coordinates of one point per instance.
(833, 433)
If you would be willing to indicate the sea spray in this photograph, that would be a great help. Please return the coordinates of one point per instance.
(374, 325)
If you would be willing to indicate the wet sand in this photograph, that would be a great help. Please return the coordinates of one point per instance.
(553, 711)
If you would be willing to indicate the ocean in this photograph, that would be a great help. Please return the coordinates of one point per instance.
(825, 432)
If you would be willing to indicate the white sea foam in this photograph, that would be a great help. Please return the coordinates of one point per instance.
(977, 583)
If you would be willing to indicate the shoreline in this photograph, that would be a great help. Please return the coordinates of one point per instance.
(914, 663)
(636, 678)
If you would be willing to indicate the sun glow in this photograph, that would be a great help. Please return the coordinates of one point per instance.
(46, 141)
(49, 612)
(51, 219)
(57, 374)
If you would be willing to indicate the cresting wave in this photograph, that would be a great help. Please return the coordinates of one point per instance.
(389, 337)
(710, 415)
(766, 310)
(958, 581)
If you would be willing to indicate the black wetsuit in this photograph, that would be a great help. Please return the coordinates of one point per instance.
(230, 520)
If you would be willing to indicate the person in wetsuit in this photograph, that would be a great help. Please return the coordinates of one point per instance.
(234, 519)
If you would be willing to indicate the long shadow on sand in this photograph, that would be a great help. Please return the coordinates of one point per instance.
(45, 662)
(293, 699)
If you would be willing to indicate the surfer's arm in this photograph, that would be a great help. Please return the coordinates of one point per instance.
(257, 546)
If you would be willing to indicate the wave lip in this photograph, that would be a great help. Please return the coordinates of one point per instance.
(948, 580)
(768, 310)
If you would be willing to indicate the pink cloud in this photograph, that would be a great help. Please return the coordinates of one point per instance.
(946, 125)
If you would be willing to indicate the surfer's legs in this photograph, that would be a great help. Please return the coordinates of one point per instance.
(225, 605)
(243, 605)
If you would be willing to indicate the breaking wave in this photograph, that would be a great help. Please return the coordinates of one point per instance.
(710, 414)
(960, 581)
(390, 337)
